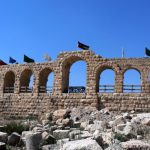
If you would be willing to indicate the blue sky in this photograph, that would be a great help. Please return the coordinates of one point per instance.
(36, 27)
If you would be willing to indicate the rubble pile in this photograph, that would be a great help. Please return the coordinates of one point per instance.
(82, 129)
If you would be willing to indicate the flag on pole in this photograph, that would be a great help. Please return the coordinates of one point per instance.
(11, 60)
(2, 62)
(83, 46)
(28, 59)
(147, 51)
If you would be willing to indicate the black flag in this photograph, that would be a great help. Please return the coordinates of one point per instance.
(11, 60)
(28, 60)
(147, 51)
(83, 46)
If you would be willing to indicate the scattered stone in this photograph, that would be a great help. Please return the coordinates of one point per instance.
(108, 137)
(61, 134)
(115, 146)
(61, 114)
(105, 111)
(45, 122)
(98, 125)
(51, 147)
(130, 129)
(136, 120)
(2, 146)
(85, 134)
(85, 144)
(117, 121)
(76, 124)
(24, 133)
(37, 129)
(61, 142)
(97, 136)
(74, 135)
(14, 139)
(3, 137)
(33, 141)
(135, 144)
(48, 139)
(127, 116)
(120, 127)
(139, 137)
(146, 121)
(67, 122)
(83, 125)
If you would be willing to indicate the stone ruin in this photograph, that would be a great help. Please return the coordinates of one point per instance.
(18, 99)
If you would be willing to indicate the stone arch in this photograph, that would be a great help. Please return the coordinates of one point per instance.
(101, 69)
(25, 81)
(132, 67)
(9, 82)
(43, 79)
(135, 84)
(66, 65)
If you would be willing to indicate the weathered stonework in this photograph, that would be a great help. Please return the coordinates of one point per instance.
(34, 103)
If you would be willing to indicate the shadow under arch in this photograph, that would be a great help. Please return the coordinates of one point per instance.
(132, 81)
(9, 81)
(43, 81)
(26, 84)
(99, 72)
(66, 66)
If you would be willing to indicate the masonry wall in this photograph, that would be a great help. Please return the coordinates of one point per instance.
(18, 103)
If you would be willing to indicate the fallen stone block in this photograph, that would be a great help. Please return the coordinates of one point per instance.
(3, 137)
(136, 144)
(14, 139)
(87, 144)
(61, 134)
(2, 146)
(48, 139)
(51, 147)
(33, 141)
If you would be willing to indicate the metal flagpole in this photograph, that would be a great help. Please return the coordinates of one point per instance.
(123, 54)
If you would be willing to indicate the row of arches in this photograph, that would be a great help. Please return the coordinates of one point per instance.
(76, 80)
(27, 79)
(131, 81)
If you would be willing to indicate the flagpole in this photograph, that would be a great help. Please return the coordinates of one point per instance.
(123, 54)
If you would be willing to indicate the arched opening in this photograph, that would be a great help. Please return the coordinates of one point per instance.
(9, 82)
(26, 81)
(74, 75)
(106, 81)
(46, 81)
(132, 81)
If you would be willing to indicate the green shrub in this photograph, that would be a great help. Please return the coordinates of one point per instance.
(15, 127)
(124, 138)
(120, 137)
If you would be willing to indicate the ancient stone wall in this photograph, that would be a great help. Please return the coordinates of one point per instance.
(16, 98)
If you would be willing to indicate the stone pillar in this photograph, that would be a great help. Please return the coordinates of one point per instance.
(36, 84)
(118, 83)
(58, 78)
(1, 84)
(145, 83)
(17, 84)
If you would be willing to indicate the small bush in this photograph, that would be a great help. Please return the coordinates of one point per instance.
(32, 117)
(120, 137)
(124, 138)
(15, 127)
